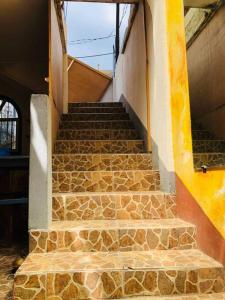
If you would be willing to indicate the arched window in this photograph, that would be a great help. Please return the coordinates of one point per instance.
(9, 125)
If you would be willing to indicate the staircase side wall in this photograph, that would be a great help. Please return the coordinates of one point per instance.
(200, 196)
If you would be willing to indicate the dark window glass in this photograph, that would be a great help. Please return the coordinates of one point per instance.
(8, 125)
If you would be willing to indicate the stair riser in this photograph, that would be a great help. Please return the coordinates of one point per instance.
(208, 146)
(95, 117)
(96, 104)
(118, 181)
(98, 162)
(66, 147)
(112, 207)
(133, 239)
(201, 135)
(97, 125)
(116, 284)
(127, 134)
(209, 160)
(99, 110)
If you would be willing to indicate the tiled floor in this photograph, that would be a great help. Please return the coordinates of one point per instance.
(8, 257)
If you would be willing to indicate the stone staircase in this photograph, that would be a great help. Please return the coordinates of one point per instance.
(208, 150)
(114, 234)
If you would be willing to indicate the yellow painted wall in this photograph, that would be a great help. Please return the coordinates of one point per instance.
(207, 189)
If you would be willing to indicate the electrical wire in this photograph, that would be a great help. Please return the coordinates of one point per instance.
(84, 41)
(95, 55)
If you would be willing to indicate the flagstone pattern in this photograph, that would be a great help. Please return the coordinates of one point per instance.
(114, 234)
(208, 150)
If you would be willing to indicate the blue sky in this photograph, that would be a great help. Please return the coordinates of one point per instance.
(91, 20)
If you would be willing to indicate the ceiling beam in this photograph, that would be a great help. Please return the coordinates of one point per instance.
(199, 3)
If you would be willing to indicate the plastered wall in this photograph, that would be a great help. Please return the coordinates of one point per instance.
(108, 95)
(130, 74)
(56, 63)
(200, 197)
(206, 68)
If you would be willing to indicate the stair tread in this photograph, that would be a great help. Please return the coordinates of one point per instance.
(94, 113)
(99, 129)
(113, 193)
(121, 261)
(105, 154)
(180, 297)
(209, 153)
(97, 121)
(119, 224)
(116, 171)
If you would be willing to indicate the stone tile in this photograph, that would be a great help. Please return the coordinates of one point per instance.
(220, 296)
(126, 124)
(105, 181)
(8, 257)
(116, 275)
(98, 134)
(114, 235)
(30, 287)
(95, 117)
(92, 110)
(110, 206)
(209, 159)
(101, 162)
(91, 146)
(208, 146)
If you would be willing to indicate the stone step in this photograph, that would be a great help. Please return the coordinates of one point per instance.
(209, 159)
(111, 206)
(114, 235)
(97, 124)
(101, 162)
(88, 110)
(105, 181)
(214, 296)
(108, 275)
(108, 146)
(95, 117)
(202, 135)
(208, 146)
(96, 104)
(98, 134)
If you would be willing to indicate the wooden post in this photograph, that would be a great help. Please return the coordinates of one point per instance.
(117, 30)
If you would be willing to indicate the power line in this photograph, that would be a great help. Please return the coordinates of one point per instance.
(95, 55)
(84, 41)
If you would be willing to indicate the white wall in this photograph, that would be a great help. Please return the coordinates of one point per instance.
(130, 74)
(130, 80)
(108, 95)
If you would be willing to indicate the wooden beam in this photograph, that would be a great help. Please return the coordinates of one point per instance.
(107, 1)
